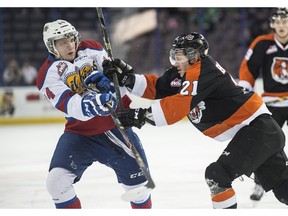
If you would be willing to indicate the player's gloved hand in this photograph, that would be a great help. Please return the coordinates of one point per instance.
(123, 71)
(97, 104)
(132, 117)
(97, 81)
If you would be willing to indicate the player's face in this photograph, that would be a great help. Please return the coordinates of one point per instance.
(181, 62)
(66, 48)
(281, 29)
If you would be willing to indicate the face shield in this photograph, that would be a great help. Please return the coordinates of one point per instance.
(180, 58)
(187, 54)
(279, 17)
(172, 58)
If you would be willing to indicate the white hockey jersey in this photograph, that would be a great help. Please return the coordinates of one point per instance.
(60, 82)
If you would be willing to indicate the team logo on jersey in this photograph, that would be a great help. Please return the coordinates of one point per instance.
(73, 81)
(82, 67)
(175, 83)
(61, 68)
(195, 115)
(84, 70)
(271, 49)
(279, 70)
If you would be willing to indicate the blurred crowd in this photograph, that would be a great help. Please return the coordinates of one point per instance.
(16, 75)
(228, 31)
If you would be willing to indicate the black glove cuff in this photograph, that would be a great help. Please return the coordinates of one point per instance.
(130, 81)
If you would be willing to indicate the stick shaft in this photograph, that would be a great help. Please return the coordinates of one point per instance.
(109, 51)
(138, 157)
(115, 118)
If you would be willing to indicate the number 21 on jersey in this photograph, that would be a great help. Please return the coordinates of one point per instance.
(185, 86)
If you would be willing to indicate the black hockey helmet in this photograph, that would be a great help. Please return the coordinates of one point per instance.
(278, 13)
(190, 43)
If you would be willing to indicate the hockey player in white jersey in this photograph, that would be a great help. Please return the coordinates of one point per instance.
(90, 135)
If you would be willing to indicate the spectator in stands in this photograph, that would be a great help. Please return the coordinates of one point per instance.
(29, 73)
(12, 74)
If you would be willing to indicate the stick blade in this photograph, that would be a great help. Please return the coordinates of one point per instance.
(135, 193)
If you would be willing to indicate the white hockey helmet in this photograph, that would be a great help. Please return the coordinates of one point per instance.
(57, 30)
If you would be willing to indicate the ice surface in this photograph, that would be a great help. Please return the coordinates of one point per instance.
(177, 154)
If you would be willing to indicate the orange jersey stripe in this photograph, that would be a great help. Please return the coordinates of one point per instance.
(250, 107)
(260, 38)
(244, 72)
(150, 90)
(177, 106)
(193, 73)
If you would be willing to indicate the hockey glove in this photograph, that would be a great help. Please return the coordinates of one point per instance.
(97, 104)
(132, 117)
(97, 81)
(123, 71)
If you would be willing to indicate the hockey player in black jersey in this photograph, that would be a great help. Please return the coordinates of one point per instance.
(198, 87)
(268, 54)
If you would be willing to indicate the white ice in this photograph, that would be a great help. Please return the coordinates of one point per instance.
(177, 154)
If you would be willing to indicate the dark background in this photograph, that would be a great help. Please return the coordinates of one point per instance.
(228, 31)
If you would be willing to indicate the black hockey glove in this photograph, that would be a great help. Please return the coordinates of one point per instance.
(132, 117)
(123, 71)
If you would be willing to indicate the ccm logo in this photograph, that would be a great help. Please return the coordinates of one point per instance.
(135, 175)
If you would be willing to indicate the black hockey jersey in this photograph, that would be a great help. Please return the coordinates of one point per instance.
(225, 106)
(267, 55)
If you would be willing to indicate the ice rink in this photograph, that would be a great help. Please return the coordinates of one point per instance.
(177, 154)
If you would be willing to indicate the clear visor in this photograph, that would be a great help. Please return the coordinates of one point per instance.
(278, 22)
(180, 58)
(172, 56)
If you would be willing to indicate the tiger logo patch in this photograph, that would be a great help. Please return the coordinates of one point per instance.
(279, 70)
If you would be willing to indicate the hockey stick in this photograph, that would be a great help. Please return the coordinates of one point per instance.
(277, 100)
(144, 189)
(134, 193)
(109, 50)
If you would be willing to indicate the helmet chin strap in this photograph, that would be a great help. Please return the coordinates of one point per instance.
(55, 52)
(195, 58)
(57, 55)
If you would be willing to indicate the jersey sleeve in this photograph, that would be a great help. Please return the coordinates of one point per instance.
(171, 109)
(168, 109)
(57, 92)
(252, 62)
(145, 86)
